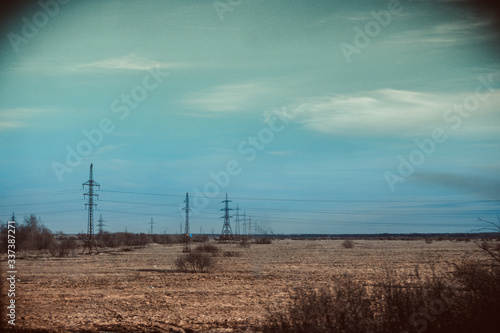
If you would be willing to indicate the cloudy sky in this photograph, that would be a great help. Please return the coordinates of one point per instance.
(314, 116)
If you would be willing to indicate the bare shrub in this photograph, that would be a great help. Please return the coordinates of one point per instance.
(231, 254)
(195, 262)
(346, 307)
(207, 248)
(33, 235)
(263, 240)
(466, 301)
(244, 243)
(348, 244)
(63, 248)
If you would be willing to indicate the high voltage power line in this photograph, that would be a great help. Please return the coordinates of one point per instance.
(259, 198)
(459, 209)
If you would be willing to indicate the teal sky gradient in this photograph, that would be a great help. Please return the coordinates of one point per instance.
(203, 83)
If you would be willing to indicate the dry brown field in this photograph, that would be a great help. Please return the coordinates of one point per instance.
(142, 291)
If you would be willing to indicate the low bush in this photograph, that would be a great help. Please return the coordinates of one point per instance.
(63, 248)
(263, 240)
(468, 300)
(348, 244)
(195, 262)
(207, 248)
(485, 245)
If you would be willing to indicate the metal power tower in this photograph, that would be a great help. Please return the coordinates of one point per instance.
(244, 223)
(187, 238)
(101, 225)
(249, 225)
(151, 223)
(90, 241)
(237, 222)
(226, 234)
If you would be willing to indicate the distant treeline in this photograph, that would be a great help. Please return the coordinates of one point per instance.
(32, 235)
(385, 236)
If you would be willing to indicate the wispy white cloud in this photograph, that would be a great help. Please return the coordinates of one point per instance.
(446, 34)
(385, 111)
(17, 118)
(226, 98)
(109, 148)
(130, 62)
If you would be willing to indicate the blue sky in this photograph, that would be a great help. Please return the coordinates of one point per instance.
(314, 116)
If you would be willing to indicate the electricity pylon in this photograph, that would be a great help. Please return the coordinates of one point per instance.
(249, 225)
(187, 238)
(244, 223)
(90, 241)
(226, 234)
(151, 224)
(101, 225)
(237, 222)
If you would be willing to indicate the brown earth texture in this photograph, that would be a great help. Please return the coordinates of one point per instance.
(141, 290)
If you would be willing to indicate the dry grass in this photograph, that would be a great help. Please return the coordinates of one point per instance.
(143, 288)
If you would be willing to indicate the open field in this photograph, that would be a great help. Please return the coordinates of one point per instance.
(141, 290)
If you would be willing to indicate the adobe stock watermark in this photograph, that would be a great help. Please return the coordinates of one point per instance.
(420, 319)
(426, 147)
(248, 148)
(372, 29)
(223, 6)
(29, 30)
(122, 107)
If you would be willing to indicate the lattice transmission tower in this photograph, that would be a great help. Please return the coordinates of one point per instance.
(249, 225)
(91, 183)
(226, 234)
(151, 225)
(244, 223)
(237, 221)
(187, 238)
(101, 224)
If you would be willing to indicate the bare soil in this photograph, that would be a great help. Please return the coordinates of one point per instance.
(142, 291)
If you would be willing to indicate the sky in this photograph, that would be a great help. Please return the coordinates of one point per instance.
(313, 116)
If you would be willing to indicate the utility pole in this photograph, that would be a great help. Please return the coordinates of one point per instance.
(90, 242)
(187, 239)
(226, 233)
